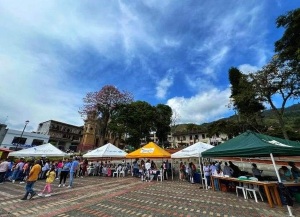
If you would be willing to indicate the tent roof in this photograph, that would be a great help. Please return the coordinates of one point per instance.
(251, 144)
(194, 150)
(108, 150)
(47, 150)
(5, 149)
(151, 150)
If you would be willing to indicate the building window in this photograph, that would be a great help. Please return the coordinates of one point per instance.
(37, 142)
(203, 136)
(19, 140)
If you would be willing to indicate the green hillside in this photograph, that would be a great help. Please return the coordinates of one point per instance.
(291, 118)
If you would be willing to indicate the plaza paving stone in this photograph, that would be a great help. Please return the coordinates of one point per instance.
(117, 197)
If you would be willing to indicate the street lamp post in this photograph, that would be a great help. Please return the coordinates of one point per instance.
(26, 122)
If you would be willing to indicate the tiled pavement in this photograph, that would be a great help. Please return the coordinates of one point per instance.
(94, 196)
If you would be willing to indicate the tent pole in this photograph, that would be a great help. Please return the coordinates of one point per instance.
(276, 171)
(200, 160)
(172, 169)
(279, 180)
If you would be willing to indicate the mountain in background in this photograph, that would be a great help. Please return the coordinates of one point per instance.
(291, 118)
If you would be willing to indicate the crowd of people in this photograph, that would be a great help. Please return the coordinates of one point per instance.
(31, 170)
(289, 174)
(187, 171)
(149, 171)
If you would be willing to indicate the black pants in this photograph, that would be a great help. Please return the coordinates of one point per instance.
(2, 175)
(63, 176)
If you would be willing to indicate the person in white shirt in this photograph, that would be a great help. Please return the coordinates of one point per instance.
(147, 167)
(4, 165)
(217, 172)
(45, 169)
(207, 173)
(212, 167)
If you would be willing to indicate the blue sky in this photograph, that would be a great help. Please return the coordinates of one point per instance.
(172, 52)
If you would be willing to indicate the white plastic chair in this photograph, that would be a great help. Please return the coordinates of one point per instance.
(116, 173)
(160, 176)
(254, 188)
(241, 187)
(122, 172)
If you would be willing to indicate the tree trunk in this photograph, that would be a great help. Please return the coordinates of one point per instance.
(279, 115)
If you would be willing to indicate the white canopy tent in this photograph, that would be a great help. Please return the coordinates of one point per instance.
(108, 150)
(193, 151)
(45, 150)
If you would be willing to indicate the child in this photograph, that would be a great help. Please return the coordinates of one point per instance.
(50, 178)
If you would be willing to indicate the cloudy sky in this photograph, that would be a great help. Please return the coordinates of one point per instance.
(172, 52)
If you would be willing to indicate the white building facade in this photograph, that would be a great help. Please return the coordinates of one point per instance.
(13, 139)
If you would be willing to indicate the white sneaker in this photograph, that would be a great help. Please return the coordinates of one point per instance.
(13, 181)
(41, 194)
(56, 178)
(69, 186)
(22, 182)
(59, 185)
(47, 195)
(64, 185)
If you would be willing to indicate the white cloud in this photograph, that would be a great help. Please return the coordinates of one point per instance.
(163, 85)
(203, 107)
(40, 81)
(247, 68)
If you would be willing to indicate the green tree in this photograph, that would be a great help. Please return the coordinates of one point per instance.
(135, 120)
(163, 115)
(288, 46)
(245, 99)
(274, 81)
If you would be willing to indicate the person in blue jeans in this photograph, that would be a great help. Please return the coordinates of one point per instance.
(64, 172)
(18, 170)
(207, 173)
(74, 166)
(32, 178)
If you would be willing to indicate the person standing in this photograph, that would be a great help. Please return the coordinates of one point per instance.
(45, 169)
(73, 169)
(147, 167)
(51, 174)
(64, 172)
(4, 166)
(18, 170)
(32, 177)
(59, 167)
(26, 170)
(182, 171)
(207, 173)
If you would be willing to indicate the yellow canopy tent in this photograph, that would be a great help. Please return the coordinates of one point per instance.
(151, 150)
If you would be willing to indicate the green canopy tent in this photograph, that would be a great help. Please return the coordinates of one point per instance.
(251, 144)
